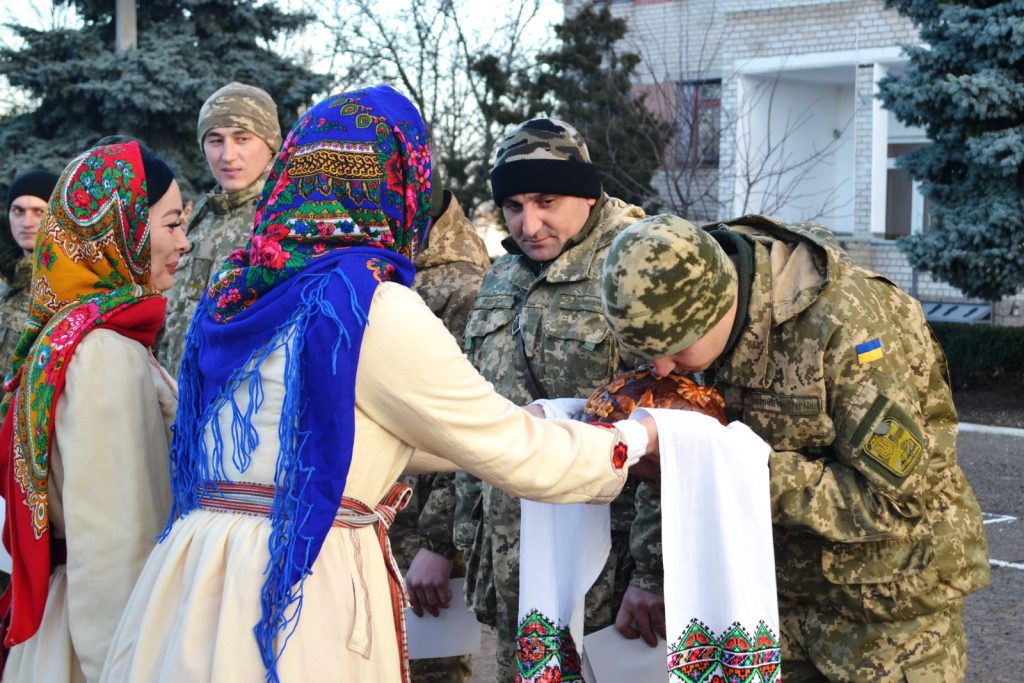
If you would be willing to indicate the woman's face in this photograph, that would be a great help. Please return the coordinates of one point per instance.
(167, 241)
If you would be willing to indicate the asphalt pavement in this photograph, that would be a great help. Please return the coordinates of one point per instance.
(993, 459)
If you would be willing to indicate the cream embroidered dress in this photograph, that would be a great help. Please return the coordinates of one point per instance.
(109, 497)
(192, 613)
(84, 453)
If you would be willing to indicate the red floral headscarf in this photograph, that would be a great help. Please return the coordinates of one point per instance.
(91, 270)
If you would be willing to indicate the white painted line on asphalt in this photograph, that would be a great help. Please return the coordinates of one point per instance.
(997, 519)
(989, 429)
(1008, 565)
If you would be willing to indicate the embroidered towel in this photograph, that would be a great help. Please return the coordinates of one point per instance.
(721, 611)
(562, 549)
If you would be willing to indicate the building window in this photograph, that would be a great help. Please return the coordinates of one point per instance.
(700, 104)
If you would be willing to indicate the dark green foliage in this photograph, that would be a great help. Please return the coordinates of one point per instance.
(979, 353)
(186, 50)
(504, 100)
(587, 82)
(967, 91)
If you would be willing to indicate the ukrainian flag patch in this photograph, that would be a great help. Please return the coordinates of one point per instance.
(869, 351)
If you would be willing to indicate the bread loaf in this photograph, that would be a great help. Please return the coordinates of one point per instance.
(641, 388)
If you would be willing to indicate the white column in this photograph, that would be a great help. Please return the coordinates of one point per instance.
(879, 155)
(916, 209)
(734, 198)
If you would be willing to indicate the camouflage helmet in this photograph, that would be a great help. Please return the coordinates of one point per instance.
(238, 105)
(544, 155)
(665, 284)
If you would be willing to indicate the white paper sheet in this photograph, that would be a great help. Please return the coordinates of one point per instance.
(611, 658)
(455, 631)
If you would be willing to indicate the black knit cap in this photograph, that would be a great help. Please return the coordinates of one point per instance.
(158, 175)
(544, 155)
(34, 183)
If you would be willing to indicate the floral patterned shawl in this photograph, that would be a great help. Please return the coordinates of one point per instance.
(343, 209)
(91, 270)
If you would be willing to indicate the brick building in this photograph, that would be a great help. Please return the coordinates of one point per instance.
(775, 104)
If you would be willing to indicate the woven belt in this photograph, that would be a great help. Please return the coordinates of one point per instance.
(257, 499)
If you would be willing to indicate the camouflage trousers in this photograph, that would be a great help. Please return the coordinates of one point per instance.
(820, 645)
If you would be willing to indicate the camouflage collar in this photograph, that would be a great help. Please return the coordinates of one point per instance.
(597, 213)
(452, 239)
(576, 262)
(792, 266)
(22, 273)
(741, 251)
(225, 202)
(805, 258)
(748, 364)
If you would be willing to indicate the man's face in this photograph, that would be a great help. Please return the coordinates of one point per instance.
(26, 215)
(542, 223)
(236, 157)
(699, 355)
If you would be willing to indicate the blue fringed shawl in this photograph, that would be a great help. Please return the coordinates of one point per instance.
(319, 315)
(343, 209)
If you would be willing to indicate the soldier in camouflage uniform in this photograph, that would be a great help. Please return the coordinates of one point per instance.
(537, 321)
(449, 270)
(27, 199)
(239, 133)
(878, 536)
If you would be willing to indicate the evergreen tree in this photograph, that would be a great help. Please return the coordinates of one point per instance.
(186, 50)
(966, 89)
(587, 82)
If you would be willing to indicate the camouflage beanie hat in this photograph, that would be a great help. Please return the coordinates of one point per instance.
(665, 284)
(238, 105)
(544, 155)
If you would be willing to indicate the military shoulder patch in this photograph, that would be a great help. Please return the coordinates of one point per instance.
(869, 351)
(894, 447)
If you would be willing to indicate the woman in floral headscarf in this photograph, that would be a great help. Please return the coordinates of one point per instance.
(84, 444)
(284, 462)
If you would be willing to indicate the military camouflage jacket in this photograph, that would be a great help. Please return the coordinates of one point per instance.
(557, 310)
(220, 223)
(838, 371)
(448, 275)
(450, 269)
(15, 297)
